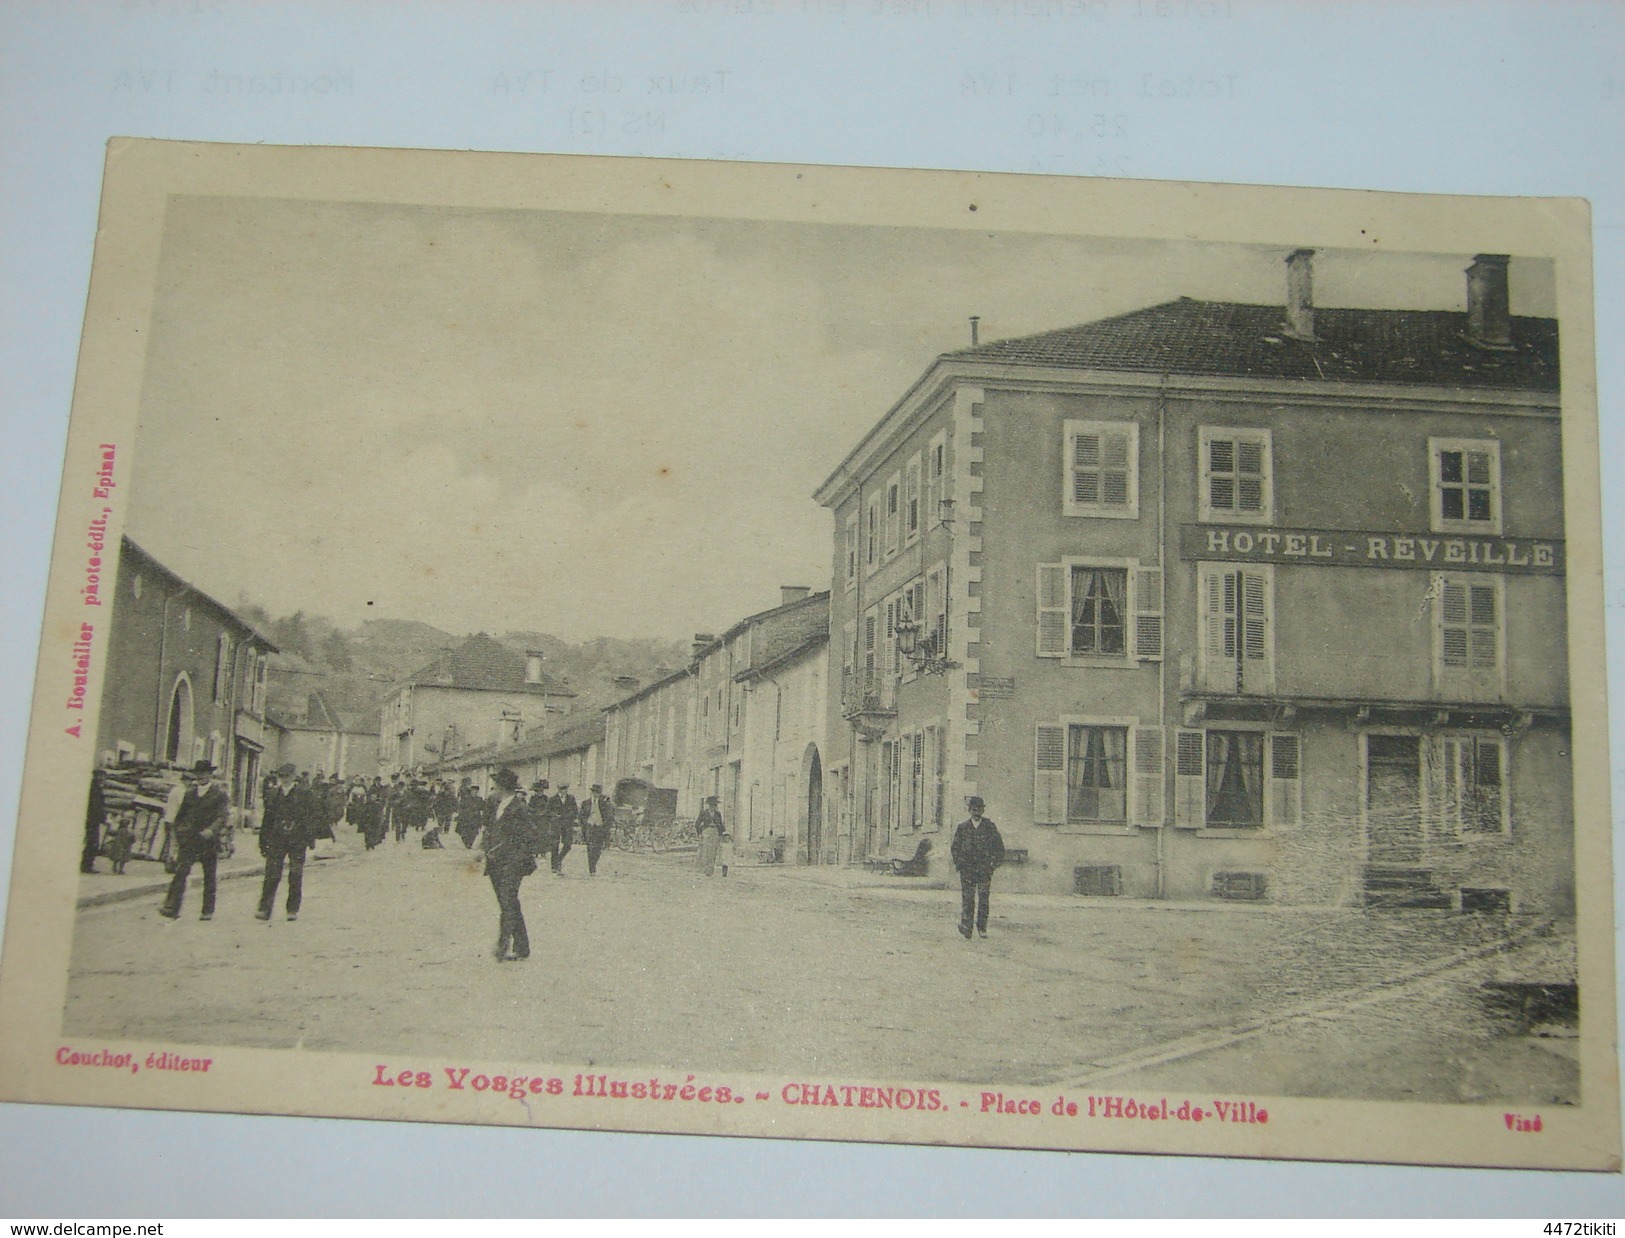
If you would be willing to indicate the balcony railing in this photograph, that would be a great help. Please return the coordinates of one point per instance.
(868, 696)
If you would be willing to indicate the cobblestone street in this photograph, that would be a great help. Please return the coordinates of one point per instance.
(780, 970)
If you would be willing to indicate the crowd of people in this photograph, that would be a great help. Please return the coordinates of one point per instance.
(509, 829)
(300, 809)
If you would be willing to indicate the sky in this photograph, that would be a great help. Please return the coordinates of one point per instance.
(587, 424)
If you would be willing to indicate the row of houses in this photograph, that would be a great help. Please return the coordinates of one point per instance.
(190, 679)
(1207, 600)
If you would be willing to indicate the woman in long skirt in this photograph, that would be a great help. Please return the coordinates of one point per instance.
(709, 826)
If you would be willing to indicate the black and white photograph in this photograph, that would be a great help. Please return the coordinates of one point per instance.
(825, 653)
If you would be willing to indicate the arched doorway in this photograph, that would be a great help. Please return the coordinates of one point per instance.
(815, 805)
(178, 736)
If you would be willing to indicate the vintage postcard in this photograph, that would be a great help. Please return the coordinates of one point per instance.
(825, 653)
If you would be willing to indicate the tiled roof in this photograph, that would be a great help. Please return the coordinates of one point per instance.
(574, 738)
(484, 663)
(1228, 340)
(583, 734)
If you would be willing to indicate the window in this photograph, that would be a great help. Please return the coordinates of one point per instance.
(1097, 772)
(936, 758)
(851, 562)
(1466, 485)
(1471, 784)
(1236, 779)
(1097, 775)
(911, 502)
(1467, 627)
(894, 514)
(1238, 652)
(871, 549)
(1236, 474)
(908, 605)
(935, 618)
(256, 700)
(222, 669)
(1102, 473)
(1098, 617)
(1099, 610)
(936, 479)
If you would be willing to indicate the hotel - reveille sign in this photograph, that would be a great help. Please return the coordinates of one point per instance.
(1232, 543)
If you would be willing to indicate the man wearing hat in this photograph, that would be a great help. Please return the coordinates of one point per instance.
(285, 835)
(470, 813)
(565, 812)
(977, 851)
(597, 816)
(200, 824)
(510, 856)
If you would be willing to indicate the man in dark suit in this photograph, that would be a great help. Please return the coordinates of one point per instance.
(978, 849)
(200, 824)
(470, 813)
(285, 836)
(597, 818)
(95, 811)
(565, 812)
(510, 846)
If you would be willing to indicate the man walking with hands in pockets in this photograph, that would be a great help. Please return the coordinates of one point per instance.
(977, 850)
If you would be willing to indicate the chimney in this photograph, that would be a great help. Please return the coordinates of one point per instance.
(1300, 297)
(1489, 304)
(533, 666)
(789, 595)
(975, 332)
(701, 641)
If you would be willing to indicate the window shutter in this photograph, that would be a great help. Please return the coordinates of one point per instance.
(1086, 469)
(911, 498)
(1052, 616)
(1190, 778)
(1481, 612)
(1286, 804)
(1049, 774)
(1249, 475)
(1255, 619)
(1453, 625)
(1148, 614)
(1147, 776)
(889, 647)
(1114, 478)
(1255, 636)
(916, 794)
(1218, 602)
